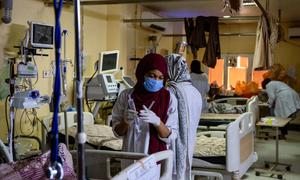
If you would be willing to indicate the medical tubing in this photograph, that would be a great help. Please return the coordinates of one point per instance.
(86, 90)
(132, 107)
(6, 111)
(57, 83)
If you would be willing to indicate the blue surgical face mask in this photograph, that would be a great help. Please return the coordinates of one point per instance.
(153, 85)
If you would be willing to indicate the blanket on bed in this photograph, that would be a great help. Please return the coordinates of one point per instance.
(99, 135)
(36, 168)
(225, 108)
(209, 146)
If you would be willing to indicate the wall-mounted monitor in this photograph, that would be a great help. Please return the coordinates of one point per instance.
(41, 35)
(108, 61)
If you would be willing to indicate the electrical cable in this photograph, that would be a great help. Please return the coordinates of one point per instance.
(6, 115)
(37, 72)
(21, 129)
(21, 121)
(42, 123)
(31, 122)
(86, 88)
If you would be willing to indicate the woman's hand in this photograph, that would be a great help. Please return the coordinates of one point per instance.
(131, 115)
(149, 116)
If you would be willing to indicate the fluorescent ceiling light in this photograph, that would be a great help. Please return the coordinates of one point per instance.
(249, 3)
(226, 16)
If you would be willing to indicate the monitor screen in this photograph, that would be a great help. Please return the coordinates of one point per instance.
(109, 61)
(42, 35)
(108, 78)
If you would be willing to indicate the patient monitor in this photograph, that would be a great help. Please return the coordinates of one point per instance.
(41, 35)
(108, 83)
(108, 61)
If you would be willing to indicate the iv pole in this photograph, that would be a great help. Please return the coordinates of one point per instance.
(79, 86)
(63, 67)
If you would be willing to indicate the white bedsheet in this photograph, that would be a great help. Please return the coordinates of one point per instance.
(209, 146)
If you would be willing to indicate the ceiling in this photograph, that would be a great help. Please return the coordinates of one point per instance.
(290, 9)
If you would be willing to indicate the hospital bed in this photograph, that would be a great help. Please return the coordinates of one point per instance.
(166, 161)
(96, 158)
(232, 100)
(239, 132)
(103, 156)
(34, 168)
(238, 153)
(100, 164)
(98, 136)
(216, 121)
(104, 164)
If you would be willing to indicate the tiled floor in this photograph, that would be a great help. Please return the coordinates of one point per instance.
(289, 152)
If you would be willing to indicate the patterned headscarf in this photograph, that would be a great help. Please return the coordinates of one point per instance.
(178, 72)
(177, 68)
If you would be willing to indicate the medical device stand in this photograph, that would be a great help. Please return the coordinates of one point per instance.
(278, 123)
(79, 86)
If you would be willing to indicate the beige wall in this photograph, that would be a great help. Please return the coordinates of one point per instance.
(287, 54)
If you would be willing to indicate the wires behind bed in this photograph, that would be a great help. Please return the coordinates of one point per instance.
(86, 87)
(31, 116)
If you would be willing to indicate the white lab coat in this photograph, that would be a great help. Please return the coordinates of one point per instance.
(285, 99)
(193, 102)
(135, 142)
(200, 81)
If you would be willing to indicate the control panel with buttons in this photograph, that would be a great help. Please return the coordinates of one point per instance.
(108, 83)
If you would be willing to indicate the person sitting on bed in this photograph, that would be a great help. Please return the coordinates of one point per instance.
(146, 115)
(189, 112)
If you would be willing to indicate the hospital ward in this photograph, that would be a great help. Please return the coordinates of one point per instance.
(149, 89)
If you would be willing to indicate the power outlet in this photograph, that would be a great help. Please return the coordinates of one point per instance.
(47, 73)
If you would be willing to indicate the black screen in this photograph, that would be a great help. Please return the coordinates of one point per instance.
(108, 79)
(42, 34)
(109, 61)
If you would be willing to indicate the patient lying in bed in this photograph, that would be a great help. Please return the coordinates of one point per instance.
(36, 167)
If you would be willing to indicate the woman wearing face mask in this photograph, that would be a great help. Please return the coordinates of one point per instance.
(146, 115)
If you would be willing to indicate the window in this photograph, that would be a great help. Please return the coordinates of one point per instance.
(217, 74)
(257, 76)
(233, 68)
